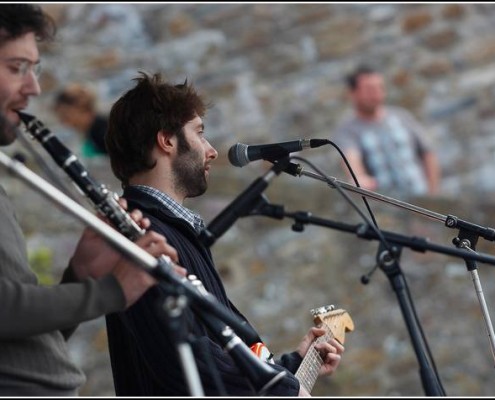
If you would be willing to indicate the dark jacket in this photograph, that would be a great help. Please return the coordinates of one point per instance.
(143, 352)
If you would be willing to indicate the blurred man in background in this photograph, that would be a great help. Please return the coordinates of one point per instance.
(387, 148)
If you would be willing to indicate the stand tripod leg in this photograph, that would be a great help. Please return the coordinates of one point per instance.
(468, 241)
(484, 310)
(389, 264)
(174, 307)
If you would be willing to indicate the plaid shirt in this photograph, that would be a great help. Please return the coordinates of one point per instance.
(392, 149)
(177, 209)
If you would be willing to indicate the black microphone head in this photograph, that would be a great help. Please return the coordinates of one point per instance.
(238, 155)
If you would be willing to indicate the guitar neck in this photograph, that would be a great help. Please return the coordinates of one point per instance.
(307, 373)
(335, 323)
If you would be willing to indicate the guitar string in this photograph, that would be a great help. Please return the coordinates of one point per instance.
(312, 362)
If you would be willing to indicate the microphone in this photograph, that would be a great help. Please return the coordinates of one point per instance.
(242, 154)
(241, 206)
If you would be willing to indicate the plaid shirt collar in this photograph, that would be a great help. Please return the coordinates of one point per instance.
(177, 209)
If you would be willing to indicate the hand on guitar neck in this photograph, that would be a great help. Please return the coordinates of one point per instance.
(329, 352)
(321, 348)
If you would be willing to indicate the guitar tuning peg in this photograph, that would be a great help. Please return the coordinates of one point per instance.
(322, 310)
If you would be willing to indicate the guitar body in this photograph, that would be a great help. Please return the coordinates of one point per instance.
(336, 323)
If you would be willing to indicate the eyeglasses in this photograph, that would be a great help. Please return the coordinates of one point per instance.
(21, 67)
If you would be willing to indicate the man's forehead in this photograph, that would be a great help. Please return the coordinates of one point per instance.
(197, 121)
(370, 76)
(24, 46)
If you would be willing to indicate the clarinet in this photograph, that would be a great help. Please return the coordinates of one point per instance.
(103, 199)
(260, 375)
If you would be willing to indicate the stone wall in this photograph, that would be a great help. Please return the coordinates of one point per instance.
(275, 73)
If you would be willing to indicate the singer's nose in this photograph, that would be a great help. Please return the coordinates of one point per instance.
(211, 152)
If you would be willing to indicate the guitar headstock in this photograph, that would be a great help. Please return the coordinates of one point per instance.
(338, 322)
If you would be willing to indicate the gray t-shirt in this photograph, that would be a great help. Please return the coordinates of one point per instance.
(392, 149)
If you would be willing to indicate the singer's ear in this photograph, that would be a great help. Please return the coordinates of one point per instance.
(164, 141)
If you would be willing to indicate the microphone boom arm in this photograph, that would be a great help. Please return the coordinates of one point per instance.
(365, 232)
(450, 221)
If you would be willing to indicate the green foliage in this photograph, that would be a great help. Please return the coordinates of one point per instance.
(41, 261)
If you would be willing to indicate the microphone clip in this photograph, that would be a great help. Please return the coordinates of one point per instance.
(242, 205)
(288, 166)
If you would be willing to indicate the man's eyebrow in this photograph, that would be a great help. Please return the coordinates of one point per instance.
(200, 126)
(20, 59)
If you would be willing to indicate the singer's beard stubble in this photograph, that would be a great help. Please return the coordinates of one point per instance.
(8, 131)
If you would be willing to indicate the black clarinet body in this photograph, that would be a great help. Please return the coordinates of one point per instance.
(260, 374)
(104, 200)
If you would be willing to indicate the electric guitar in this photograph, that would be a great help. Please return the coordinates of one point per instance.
(336, 323)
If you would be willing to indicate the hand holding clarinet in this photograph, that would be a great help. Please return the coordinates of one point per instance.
(95, 258)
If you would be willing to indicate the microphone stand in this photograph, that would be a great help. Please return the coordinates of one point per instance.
(451, 221)
(364, 231)
(388, 262)
(467, 237)
(174, 307)
(390, 266)
(243, 203)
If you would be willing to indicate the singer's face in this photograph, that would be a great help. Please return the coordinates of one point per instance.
(17, 82)
(192, 163)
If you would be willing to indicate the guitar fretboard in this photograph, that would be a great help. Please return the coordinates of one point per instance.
(307, 373)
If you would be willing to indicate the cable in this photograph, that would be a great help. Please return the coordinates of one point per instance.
(354, 178)
(333, 183)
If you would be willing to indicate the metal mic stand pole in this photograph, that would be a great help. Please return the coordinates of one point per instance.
(389, 264)
(467, 238)
(174, 307)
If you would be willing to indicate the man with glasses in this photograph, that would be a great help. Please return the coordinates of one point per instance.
(21, 67)
(35, 320)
